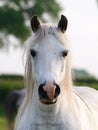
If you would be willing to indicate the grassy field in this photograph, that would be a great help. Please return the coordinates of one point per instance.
(3, 123)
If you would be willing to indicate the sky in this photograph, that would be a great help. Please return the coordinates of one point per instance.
(82, 32)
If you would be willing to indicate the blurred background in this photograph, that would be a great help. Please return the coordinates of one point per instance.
(15, 28)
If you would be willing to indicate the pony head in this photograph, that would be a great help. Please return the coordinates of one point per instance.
(47, 59)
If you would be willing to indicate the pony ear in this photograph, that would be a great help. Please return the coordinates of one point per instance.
(35, 24)
(62, 25)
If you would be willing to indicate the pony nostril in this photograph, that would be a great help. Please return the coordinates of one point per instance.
(57, 90)
(42, 92)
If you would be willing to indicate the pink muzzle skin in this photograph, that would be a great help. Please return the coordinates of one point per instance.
(50, 89)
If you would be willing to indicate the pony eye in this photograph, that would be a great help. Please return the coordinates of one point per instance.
(64, 53)
(33, 53)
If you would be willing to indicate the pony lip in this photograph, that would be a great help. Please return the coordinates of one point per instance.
(47, 101)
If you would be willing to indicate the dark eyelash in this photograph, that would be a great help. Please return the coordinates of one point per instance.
(64, 53)
(33, 53)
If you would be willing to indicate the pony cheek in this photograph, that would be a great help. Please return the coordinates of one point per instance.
(58, 77)
(62, 73)
(34, 72)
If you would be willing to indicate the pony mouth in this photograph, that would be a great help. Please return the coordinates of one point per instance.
(48, 101)
(46, 96)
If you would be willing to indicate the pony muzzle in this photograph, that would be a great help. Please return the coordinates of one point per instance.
(48, 92)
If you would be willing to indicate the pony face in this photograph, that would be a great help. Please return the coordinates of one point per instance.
(48, 57)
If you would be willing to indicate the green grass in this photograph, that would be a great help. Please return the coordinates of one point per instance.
(3, 123)
(1, 111)
(92, 85)
(11, 84)
(8, 85)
